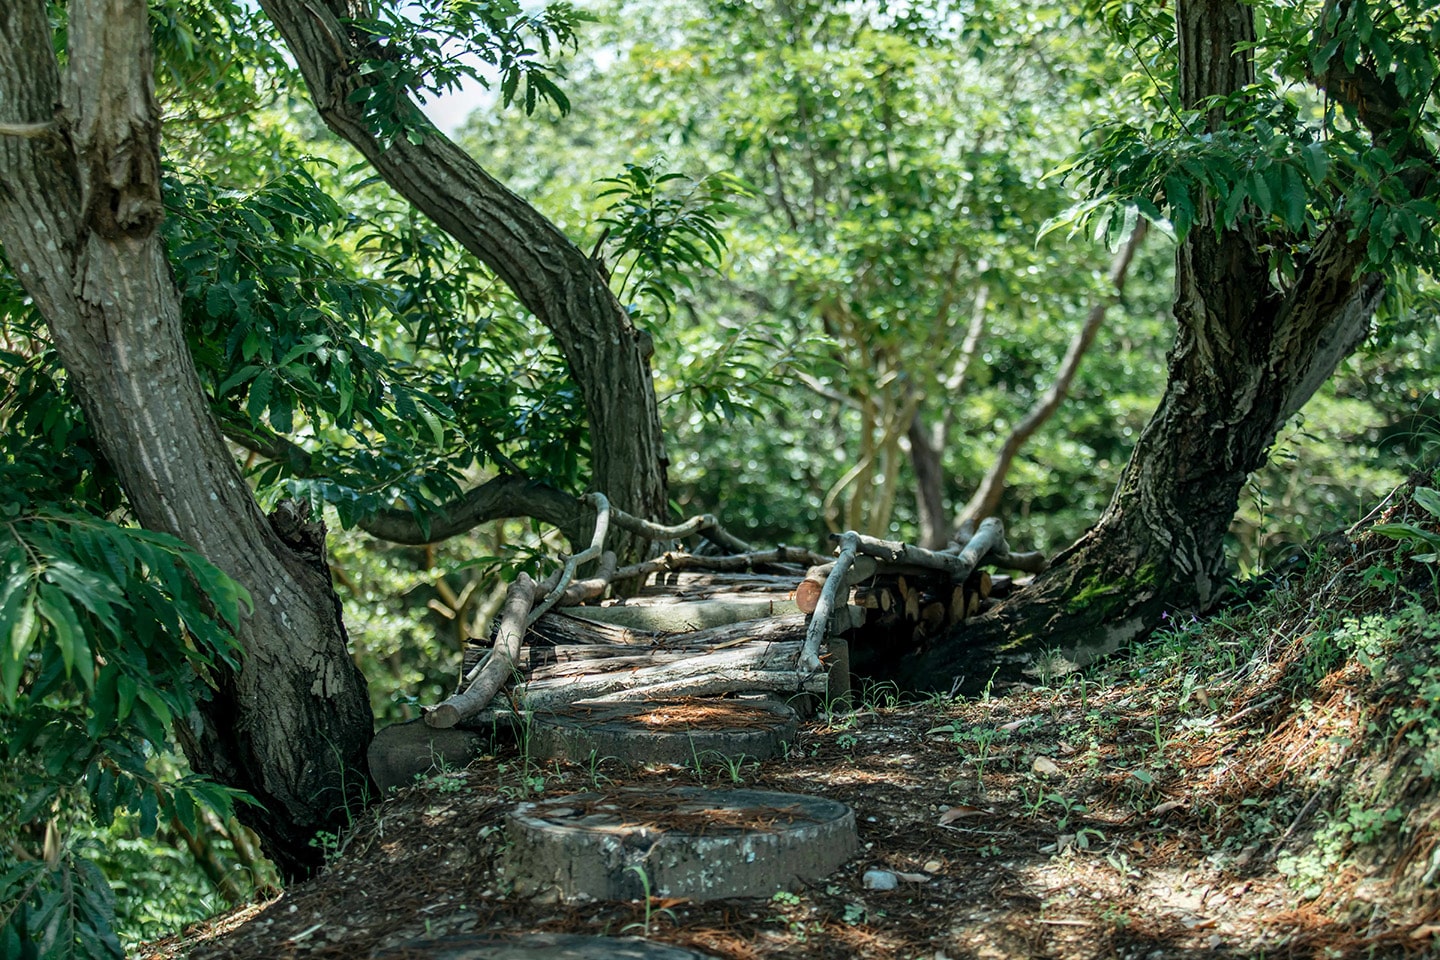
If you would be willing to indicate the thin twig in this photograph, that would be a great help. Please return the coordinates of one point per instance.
(1299, 819)
(1249, 710)
(706, 525)
(582, 590)
(809, 658)
(669, 562)
(592, 552)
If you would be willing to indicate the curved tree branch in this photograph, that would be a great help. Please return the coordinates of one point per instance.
(986, 498)
(551, 276)
(499, 498)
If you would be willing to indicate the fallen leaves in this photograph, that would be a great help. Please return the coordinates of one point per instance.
(960, 812)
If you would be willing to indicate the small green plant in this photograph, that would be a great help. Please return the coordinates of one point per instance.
(734, 767)
(1068, 808)
(786, 901)
(983, 737)
(329, 845)
(650, 911)
(441, 778)
(884, 695)
(697, 761)
(989, 687)
(1120, 861)
(1142, 789)
(593, 764)
(1428, 542)
(1033, 805)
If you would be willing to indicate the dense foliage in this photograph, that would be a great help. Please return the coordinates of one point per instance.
(841, 225)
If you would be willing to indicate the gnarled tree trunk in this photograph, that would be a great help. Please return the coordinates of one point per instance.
(553, 278)
(79, 214)
(1247, 356)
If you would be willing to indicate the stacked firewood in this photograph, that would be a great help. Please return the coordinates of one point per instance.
(924, 604)
(910, 591)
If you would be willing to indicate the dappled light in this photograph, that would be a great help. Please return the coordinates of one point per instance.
(764, 479)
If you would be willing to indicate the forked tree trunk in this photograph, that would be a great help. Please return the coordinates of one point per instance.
(79, 211)
(553, 278)
(1246, 358)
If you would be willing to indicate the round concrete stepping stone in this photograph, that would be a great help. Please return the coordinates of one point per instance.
(685, 732)
(689, 842)
(539, 946)
(402, 752)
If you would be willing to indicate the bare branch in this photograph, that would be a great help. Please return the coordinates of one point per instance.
(498, 667)
(809, 657)
(592, 552)
(992, 487)
(591, 587)
(706, 525)
(732, 563)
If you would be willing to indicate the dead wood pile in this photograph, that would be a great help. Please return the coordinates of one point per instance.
(750, 621)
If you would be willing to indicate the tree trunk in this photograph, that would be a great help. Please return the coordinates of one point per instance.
(1247, 357)
(607, 356)
(79, 211)
(925, 461)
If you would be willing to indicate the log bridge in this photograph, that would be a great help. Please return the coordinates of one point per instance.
(784, 621)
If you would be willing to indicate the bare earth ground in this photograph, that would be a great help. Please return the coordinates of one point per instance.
(1182, 803)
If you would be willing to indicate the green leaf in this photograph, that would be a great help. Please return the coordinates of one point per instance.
(1429, 499)
(1312, 155)
(259, 399)
(1295, 197)
(217, 301)
(184, 805)
(437, 429)
(1233, 203)
(240, 376)
(69, 635)
(1408, 531)
(1259, 189)
(149, 808)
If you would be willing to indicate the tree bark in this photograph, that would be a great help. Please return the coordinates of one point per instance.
(1247, 356)
(926, 462)
(553, 278)
(79, 211)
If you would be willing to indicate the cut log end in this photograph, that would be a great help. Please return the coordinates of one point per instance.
(807, 595)
(442, 717)
(678, 731)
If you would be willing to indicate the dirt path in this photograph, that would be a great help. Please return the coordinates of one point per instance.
(1078, 821)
